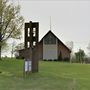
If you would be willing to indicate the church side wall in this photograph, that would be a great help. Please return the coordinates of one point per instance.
(65, 53)
(40, 51)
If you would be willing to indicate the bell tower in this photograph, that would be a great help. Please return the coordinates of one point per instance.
(31, 48)
(31, 34)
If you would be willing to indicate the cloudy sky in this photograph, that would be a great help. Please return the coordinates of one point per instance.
(70, 19)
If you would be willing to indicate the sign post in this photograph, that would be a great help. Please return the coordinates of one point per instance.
(28, 65)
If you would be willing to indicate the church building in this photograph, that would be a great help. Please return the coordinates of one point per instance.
(51, 47)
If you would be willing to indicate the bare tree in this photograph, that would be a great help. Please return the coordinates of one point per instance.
(69, 45)
(88, 47)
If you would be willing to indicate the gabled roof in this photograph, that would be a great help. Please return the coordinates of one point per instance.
(55, 37)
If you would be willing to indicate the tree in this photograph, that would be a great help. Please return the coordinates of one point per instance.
(5, 47)
(80, 55)
(10, 22)
(19, 46)
(13, 48)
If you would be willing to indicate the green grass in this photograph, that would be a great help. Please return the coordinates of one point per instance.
(51, 76)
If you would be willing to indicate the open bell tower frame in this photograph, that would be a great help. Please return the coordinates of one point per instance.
(31, 45)
(31, 34)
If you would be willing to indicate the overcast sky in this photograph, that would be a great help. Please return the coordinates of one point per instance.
(70, 19)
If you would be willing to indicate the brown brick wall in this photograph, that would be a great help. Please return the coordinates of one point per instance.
(40, 50)
(64, 51)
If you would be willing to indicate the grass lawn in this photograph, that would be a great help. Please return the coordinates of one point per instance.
(51, 76)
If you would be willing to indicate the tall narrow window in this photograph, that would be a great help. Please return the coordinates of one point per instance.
(28, 32)
(34, 32)
(28, 44)
(34, 43)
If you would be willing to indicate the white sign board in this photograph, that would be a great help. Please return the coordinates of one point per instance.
(28, 65)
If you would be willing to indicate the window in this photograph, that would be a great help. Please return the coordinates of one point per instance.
(28, 32)
(50, 39)
(34, 32)
(28, 44)
(34, 43)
